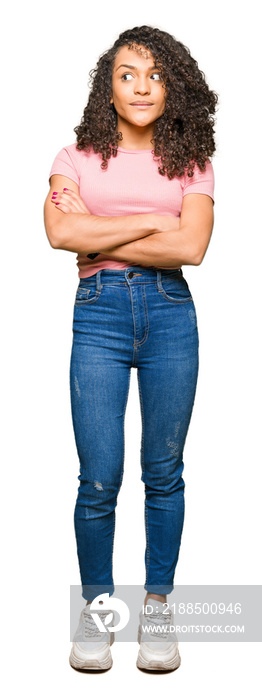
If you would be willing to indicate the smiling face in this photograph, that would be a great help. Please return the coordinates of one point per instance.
(138, 91)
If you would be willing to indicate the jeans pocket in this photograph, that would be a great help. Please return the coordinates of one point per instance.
(175, 290)
(86, 294)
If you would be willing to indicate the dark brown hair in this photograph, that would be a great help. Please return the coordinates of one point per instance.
(184, 134)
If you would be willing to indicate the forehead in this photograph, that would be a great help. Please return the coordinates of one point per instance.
(138, 56)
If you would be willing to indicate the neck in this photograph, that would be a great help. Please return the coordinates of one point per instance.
(135, 138)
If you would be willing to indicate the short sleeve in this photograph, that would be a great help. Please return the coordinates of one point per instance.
(200, 183)
(64, 165)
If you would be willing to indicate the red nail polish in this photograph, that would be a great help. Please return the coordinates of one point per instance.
(57, 203)
(55, 192)
(65, 189)
(54, 196)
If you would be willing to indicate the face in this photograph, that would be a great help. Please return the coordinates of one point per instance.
(138, 91)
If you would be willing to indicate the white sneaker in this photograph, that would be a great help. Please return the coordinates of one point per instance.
(91, 648)
(158, 645)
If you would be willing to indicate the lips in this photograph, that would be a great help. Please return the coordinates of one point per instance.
(142, 104)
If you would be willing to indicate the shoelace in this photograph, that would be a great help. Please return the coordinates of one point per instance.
(90, 628)
(156, 619)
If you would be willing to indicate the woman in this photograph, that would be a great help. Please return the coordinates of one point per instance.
(147, 206)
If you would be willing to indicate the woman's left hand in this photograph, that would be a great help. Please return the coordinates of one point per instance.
(69, 202)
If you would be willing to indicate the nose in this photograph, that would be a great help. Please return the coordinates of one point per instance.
(142, 86)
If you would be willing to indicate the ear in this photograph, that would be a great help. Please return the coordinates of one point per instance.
(111, 100)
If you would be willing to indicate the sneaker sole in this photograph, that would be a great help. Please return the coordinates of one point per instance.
(156, 663)
(91, 661)
(91, 664)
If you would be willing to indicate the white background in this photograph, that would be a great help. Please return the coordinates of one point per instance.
(48, 50)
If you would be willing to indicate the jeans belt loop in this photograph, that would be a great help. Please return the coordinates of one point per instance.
(159, 280)
(98, 281)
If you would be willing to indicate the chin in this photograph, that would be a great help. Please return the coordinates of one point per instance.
(142, 122)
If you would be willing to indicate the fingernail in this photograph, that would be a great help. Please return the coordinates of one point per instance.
(55, 192)
(65, 189)
(56, 203)
(54, 196)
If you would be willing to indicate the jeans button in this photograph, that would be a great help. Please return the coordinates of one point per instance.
(130, 275)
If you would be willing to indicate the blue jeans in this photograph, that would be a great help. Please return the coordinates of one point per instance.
(139, 317)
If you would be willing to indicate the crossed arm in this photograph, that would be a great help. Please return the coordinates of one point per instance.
(184, 244)
(146, 239)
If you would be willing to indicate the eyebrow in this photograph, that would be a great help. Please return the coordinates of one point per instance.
(125, 65)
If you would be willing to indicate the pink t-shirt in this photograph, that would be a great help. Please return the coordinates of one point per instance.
(130, 185)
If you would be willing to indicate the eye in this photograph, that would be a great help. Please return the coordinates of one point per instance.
(126, 76)
(157, 76)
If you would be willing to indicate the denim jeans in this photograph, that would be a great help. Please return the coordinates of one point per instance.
(140, 317)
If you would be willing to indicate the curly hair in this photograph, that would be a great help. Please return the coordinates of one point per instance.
(183, 134)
